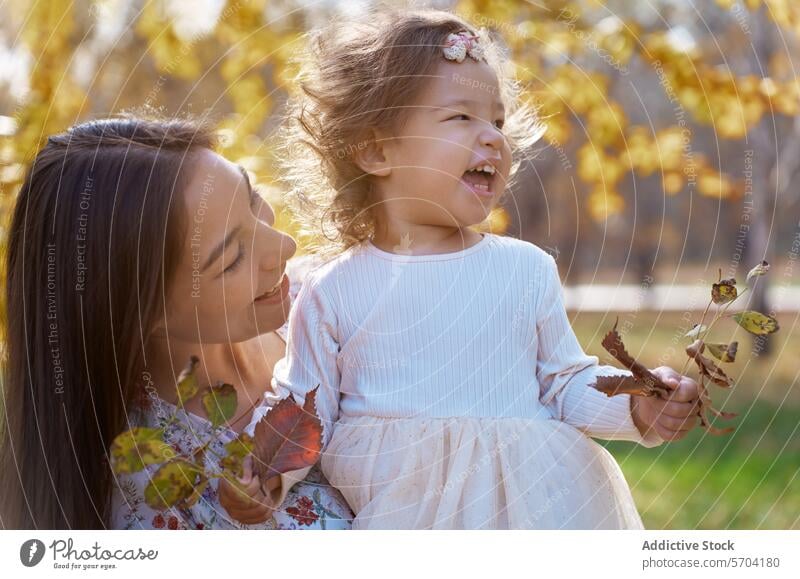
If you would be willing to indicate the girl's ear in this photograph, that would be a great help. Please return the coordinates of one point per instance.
(370, 154)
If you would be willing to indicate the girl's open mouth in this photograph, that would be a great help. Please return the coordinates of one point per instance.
(479, 180)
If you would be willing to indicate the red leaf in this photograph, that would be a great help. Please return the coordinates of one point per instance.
(288, 438)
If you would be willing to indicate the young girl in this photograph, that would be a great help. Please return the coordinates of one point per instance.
(453, 391)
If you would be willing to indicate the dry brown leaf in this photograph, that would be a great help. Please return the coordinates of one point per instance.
(621, 384)
(650, 384)
(706, 366)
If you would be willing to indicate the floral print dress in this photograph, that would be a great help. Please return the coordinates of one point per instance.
(310, 504)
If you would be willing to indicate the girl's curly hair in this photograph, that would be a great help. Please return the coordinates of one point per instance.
(360, 74)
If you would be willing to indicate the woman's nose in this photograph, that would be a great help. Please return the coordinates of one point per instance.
(288, 246)
(286, 249)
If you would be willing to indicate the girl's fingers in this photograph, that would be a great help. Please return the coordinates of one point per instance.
(248, 510)
(667, 375)
(679, 409)
(670, 434)
(247, 475)
(253, 488)
(683, 424)
(686, 391)
(272, 487)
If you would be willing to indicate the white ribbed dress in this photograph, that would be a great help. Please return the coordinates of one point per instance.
(454, 393)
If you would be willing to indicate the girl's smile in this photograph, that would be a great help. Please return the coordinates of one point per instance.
(481, 179)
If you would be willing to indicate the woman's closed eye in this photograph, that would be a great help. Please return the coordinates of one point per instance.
(234, 265)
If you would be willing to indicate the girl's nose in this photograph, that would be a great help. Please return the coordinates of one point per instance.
(492, 137)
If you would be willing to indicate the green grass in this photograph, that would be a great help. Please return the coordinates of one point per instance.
(749, 479)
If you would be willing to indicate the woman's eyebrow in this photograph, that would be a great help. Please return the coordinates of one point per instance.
(217, 251)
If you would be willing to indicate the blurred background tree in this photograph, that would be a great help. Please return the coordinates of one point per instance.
(667, 121)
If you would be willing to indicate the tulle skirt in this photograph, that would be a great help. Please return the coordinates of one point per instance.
(476, 473)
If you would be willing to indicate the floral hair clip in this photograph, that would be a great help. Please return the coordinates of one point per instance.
(459, 44)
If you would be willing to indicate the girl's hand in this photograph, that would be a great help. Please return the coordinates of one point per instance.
(673, 418)
(250, 506)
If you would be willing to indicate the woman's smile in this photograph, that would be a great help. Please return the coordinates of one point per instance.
(276, 294)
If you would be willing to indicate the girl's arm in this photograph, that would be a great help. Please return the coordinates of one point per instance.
(565, 373)
(312, 351)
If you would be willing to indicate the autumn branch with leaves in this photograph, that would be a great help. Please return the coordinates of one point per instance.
(643, 382)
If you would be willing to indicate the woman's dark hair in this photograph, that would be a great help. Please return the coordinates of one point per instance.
(96, 234)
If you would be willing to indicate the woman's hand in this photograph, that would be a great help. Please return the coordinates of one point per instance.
(249, 505)
(673, 418)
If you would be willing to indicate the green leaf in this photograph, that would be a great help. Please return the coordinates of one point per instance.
(723, 352)
(138, 447)
(237, 450)
(220, 402)
(756, 322)
(197, 492)
(174, 482)
(187, 381)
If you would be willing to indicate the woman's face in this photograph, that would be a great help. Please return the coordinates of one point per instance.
(230, 284)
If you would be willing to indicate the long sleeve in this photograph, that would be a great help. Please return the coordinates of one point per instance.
(311, 355)
(566, 373)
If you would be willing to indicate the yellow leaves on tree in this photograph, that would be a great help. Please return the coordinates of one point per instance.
(567, 59)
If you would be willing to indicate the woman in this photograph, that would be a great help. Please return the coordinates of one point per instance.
(134, 246)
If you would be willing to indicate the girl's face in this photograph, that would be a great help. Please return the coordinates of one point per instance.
(454, 126)
(230, 285)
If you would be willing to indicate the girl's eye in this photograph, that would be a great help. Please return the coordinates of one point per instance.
(460, 117)
(499, 123)
(236, 262)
